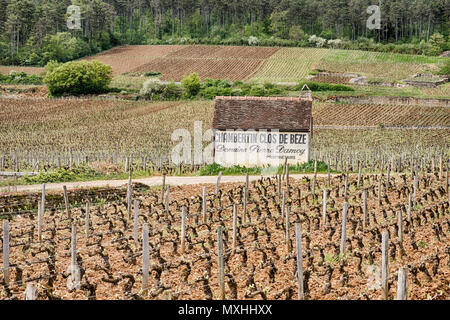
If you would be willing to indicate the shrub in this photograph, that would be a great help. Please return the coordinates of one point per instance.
(318, 86)
(192, 84)
(317, 41)
(150, 88)
(171, 91)
(79, 77)
(152, 74)
(296, 33)
(20, 78)
(154, 89)
(258, 91)
(445, 70)
(253, 41)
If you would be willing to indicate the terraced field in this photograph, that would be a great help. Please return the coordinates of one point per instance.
(216, 62)
(388, 66)
(290, 64)
(125, 59)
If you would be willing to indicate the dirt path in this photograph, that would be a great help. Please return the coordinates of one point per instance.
(152, 181)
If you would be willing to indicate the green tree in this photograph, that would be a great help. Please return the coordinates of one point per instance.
(279, 24)
(192, 84)
(296, 33)
(79, 77)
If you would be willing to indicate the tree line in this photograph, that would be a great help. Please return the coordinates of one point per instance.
(33, 32)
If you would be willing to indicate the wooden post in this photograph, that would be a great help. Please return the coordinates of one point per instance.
(220, 263)
(39, 221)
(346, 186)
(87, 222)
(441, 168)
(359, 174)
(73, 246)
(279, 184)
(234, 227)
(314, 188)
(388, 178)
(384, 264)
(66, 202)
(324, 207)
(145, 259)
(246, 183)
(344, 228)
(379, 191)
(43, 199)
(414, 190)
(74, 269)
(315, 167)
(30, 292)
(204, 204)
(163, 187)
(183, 228)
(402, 284)
(298, 241)
(365, 210)
(400, 226)
(167, 198)
(135, 222)
(447, 182)
(129, 198)
(283, 202)
(218, 182)
(288, 243)
(6, 251)
(329, 176)
(244, 208)
(70, 159)
(287, 176)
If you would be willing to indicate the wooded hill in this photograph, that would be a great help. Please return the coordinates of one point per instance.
(32, 32)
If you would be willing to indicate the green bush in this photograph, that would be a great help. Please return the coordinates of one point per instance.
(82, 172)
(318, 86)
(307, 167)
(258, 91)
(171, 91)
(79, 77)
(445, 70)
(20, 78)
(214, 169)
(192, 84)
(212, 92)
(154, 89)
(150, 88)
(152, 74)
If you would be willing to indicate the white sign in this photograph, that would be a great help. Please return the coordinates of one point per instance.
(260, 148)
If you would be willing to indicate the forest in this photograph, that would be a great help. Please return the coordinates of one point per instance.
(33, 32)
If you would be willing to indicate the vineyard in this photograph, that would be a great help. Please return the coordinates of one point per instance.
(27, 70)
(43, 134)
(229, 69)
(356, 233)
(125, 59)
(338, 114)
(260, 64)
(390, 67)
(372, 223)
(290, 65)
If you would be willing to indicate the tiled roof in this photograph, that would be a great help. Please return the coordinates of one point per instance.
(282, 113)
